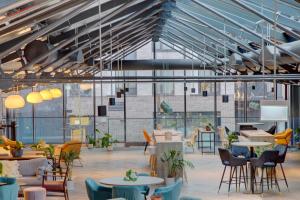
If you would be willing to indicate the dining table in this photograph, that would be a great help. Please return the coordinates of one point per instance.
(257, 135)
(141, 181)
(252, 145)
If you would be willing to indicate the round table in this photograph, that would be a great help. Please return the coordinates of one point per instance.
(251, 145)
(141, 181)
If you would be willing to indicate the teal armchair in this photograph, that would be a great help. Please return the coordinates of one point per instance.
(96, 191)
(171, 191)
(9, 191)
(127, 192)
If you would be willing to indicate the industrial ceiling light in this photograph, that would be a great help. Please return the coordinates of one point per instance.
(14, 102)
(34, 97)
(85, 86)
(46, 95)
(56, 92)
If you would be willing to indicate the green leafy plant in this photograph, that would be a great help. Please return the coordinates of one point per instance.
(90, 140)
(69, 158)
(1, 168)
(107, 140)
(232, 137)
(131, 175)
(175, 162)
(297, 135)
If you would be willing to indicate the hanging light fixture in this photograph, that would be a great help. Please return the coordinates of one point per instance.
(14, 101)
(112, 100)
(46, 95)
(225, 97)
(56, 92)
(34, 97)
(85, 86)
(193, 89)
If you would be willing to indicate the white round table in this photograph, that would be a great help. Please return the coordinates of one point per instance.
(142, 180)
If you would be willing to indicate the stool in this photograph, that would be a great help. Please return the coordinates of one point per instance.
(153, 159)
(34, 193)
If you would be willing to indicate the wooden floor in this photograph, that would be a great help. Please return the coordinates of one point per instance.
(202, 181)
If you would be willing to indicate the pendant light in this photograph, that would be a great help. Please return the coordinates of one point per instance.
(225, 97)
(46, 94)
(14, 101)
(204, 91)
(34, 97)
(193, 89)
(85, 86)
(121, 91)
(112, 100)
(55, 92)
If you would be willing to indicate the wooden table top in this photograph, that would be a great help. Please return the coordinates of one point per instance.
(251, 144)
(255, 133)
(24, 157)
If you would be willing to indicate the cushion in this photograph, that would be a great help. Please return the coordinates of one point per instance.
(31, 180)
(10, 169)
(54, 185)
(30, 167)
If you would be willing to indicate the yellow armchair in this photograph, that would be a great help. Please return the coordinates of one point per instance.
(7, 142)
(283, 137)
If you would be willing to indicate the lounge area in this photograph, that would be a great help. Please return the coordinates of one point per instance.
(149, 99)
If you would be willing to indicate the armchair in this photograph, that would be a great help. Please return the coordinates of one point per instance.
(7, 142)
(96, 191)
(170, 192)
(127, 192)
(283, 137)
(10, 190)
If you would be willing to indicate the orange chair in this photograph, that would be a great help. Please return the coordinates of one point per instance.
(73, 145)
(283, 137)
(148, 139)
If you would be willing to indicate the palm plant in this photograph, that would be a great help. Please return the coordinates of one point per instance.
(69, 158)
(175, 162)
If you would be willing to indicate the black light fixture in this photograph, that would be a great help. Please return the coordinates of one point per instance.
(112, 101)
(185, 88)
(193, 90)
(225, 98)
(119, 94)
(272, 90)
(253, 87)
(102, 111)
(204, 93)
(122, 91)
(126, 89)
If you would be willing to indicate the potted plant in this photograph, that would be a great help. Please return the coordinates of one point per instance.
(91, 141)
(175, 163)
(297, 137)
(17, 150)
(107, 141)
(69, 158)
(232, 137)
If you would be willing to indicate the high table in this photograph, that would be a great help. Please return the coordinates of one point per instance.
(141, 181)
(257, 135)
(252, 145)
(202, 132)
(165, 145)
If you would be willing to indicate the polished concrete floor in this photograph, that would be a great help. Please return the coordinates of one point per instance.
(202, 181)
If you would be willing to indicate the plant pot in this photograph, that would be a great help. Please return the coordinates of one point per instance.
(90, 146)
(70, 185)
(170, 181)
(17, 152)
(110, 148)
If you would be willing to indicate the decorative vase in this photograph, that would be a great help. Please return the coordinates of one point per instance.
(70, 185)
(169, 180)
(17, 152)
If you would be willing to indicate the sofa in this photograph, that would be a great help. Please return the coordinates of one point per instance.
(32, 171)
(9, 191)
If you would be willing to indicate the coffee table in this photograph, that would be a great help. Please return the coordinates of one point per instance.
(141, 181)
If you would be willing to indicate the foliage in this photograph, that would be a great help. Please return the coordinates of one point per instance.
(69, 158)
(107, 141)
(297, 135)
(176, 163)
(232, 137)
(1, 168)
(131, 175)
(91, 140)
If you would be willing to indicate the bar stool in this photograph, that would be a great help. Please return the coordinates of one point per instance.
(153, 159)
(234, 163)
(34, 193)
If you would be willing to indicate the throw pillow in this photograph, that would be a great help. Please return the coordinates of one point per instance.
(10, 169)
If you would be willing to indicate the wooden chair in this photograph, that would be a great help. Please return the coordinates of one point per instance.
(148, 140)
(191, 141)
(59, 184)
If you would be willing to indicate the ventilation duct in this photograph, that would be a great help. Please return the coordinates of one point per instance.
(35, 49)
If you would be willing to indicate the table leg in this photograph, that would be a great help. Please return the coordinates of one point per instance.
(201, 135)
(252, 172)
(198, 139)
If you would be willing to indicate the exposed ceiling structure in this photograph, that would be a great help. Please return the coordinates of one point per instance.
(71, 38)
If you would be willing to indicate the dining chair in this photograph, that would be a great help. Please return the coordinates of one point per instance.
(127, 192)
(96, 191)
(10, 190)
(282, 149)
(191, 141)
(283, 137)
(148, 140)
(73, 145)
(238, 151)
(272, 130)
(145, 188)
(59, 184)
(267, 163)
(171, 191)
(228, 160)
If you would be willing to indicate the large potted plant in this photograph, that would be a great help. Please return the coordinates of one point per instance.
(297, 137)
(90, 141)
(17, 150)
(69, 158)
(107, 141)
(175, 163)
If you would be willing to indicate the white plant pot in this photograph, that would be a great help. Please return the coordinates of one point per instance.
(70, 185)
(110, 148)
(90, 146)
(169, 181)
